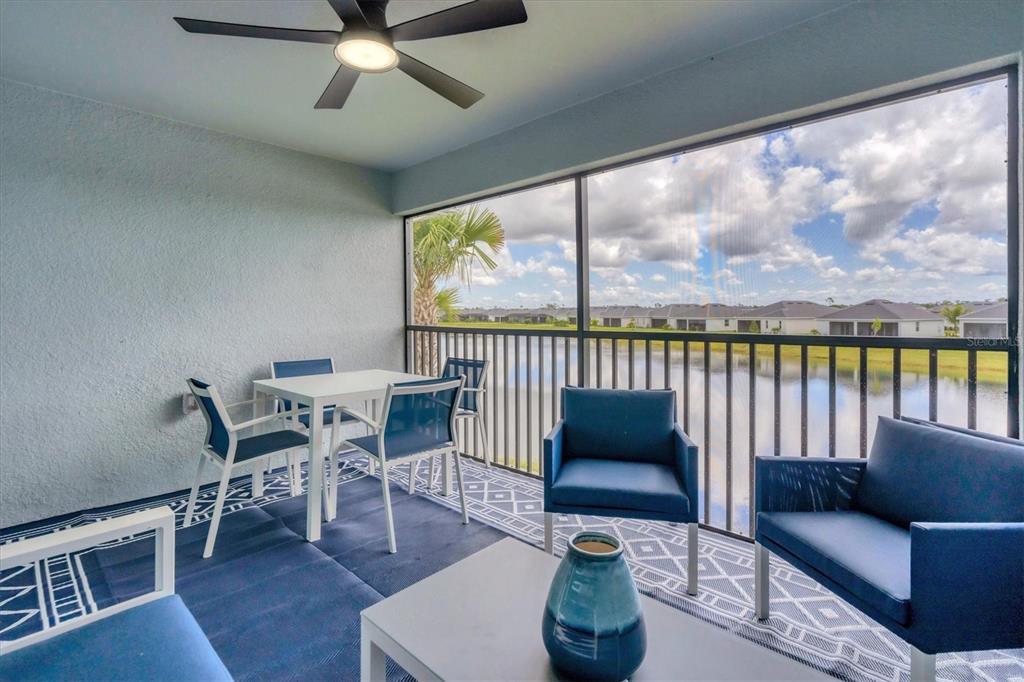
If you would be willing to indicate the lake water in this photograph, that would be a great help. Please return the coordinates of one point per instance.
(519, 444)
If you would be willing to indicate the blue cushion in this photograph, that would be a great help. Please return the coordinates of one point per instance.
(922, 473)
(399, 445)
(617, 424)
(159, 640)
(263, 444)
(864, 554)
(328, 418)
(617, 485)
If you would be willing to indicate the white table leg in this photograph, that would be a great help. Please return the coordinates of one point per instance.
(372, 465)
(257, 473)
(316, 471)
(332, 502)
(371, 658)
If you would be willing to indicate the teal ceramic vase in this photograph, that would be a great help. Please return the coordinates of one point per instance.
(593, 627)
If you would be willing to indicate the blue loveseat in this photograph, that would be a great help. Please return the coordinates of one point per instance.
(926, 536)
(619, 453)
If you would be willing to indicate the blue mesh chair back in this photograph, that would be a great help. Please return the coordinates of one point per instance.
(474, 371)
(217, 438)
(420, 416)
(300, 368)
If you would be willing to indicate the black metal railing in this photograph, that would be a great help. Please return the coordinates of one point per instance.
(820, 392)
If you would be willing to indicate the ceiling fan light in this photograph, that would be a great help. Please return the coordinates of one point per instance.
(369, 53)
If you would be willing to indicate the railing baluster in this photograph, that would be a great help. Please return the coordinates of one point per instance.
(554, 381)
(631, 359)
(803, 401)
(647, 363)
(778, 399)
(863, 402)
(667, 350)
(540, 396)
(504, 402)
(567, 369)
(933, 385)
(517, 439)
(597, 360)
(529, 405)
(615, 363)
(751, 431)
(707, 432)
(728, 436)
(831, 401)
(972, 389)
(686, 387)
(897, 383)
(476, 434)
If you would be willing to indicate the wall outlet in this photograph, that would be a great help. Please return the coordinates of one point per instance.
(188, 403)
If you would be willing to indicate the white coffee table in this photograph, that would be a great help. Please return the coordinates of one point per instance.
(480, 619)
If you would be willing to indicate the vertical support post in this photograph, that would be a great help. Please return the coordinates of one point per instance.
(582, 280)
(803, 401)
(777, 399)
(1013, 246)
(863, 402)
(933, 385)
(707, 432)
(897, 383)
(831, 401)
(752, 431)
(972, 389)
(761, 581)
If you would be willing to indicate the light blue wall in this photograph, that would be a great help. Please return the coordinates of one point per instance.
(135, 252)
(862, 50)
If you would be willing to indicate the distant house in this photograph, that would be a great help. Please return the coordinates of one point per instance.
(786, 317)
(986, 323)
(529, 315)
(897, 319)
(711, 317)
(476, 315)
(622, 316)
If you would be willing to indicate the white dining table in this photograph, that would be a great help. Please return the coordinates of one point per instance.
(317, 391)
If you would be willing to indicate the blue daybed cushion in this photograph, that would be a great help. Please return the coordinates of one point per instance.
(922, 473)
(866, 555)
(159, 640)
(620, 424)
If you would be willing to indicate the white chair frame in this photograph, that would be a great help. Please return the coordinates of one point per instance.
(227, 462)
(24, 552)
(385, 464)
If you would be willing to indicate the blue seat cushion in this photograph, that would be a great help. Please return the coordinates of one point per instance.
(159, 640)
(929, 473)
(866, 555)
(614, 485)
(265, 443)
(399, 445)
(328, 418)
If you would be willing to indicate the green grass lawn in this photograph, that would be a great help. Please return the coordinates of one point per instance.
(992, 365)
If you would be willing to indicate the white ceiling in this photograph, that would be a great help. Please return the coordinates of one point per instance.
(131, 54)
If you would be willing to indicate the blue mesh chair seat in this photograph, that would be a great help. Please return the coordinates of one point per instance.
(418, 422)
(621, 454)
(472, 401)
(223, 447)
(926, 536)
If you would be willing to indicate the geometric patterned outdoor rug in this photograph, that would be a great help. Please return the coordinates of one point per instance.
(807, 622)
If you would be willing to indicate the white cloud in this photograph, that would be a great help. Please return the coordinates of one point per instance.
(658, 277)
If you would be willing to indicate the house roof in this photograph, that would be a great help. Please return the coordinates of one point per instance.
(999, 311)
(881, 309)
(704, 311)
(789, 309)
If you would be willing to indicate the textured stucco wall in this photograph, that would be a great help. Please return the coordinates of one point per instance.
(857, 52)
(135, 252)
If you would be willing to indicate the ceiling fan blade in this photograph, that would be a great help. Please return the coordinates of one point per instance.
(338, 89)
(349, 12)
(221, 28)
(478, 15)
(444, 85)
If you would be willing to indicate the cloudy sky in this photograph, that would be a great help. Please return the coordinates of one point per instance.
(906, 202)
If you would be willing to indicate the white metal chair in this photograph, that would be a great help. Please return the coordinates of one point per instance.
(418, 422)
(224, 448)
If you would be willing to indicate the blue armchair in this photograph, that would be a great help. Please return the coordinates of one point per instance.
(621, 454)
(926, 536)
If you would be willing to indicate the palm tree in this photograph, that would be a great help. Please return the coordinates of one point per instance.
(952, 314)
(448, 245)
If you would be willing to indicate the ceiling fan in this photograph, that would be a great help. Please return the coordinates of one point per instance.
(366, 43)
